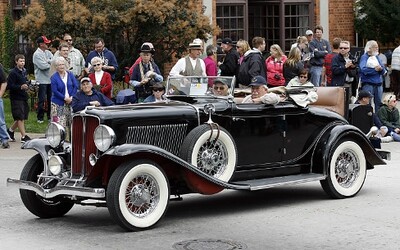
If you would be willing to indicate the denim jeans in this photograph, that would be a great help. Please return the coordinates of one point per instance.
(377, 92)
(3, 128)
(316, 73)
(44, 95)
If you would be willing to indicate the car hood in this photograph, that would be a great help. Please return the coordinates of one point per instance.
(159, 109)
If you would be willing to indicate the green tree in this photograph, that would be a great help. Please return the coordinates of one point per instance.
(8, 41)
(124, 24)
(378, 20)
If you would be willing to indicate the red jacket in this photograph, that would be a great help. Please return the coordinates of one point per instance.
(274, 71)
(105, 83)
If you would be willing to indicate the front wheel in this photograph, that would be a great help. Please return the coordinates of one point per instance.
(39, 206)
(138, 194)
(347, 171)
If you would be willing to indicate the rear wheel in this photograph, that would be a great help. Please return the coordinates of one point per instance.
(138, 194)
(39, 206)
(347, 171)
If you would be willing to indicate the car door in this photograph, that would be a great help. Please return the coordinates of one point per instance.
(258, 131)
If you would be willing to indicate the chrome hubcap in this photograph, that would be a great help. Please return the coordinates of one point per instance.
(142, 195)
(212, 158)
(347, 169)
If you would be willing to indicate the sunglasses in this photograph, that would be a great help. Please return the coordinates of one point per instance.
(158, 89)
(68, 40)
(394, 99)
(344, 48)
(219, 88)
(97, 64)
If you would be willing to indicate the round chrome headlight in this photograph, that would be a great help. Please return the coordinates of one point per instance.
(55, 165)
(55, 134)
(104, 137)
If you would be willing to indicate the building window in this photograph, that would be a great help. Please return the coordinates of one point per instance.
(264, 22)
(296, 22)
(230, 18)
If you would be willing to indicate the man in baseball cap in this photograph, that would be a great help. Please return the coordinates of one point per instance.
(229, 64)
(309, 35)
(259, 92)
(42, 39)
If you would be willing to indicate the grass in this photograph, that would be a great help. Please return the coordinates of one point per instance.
(31, 125)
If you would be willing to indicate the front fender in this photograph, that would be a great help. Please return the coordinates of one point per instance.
(352, 133)
(130, 149)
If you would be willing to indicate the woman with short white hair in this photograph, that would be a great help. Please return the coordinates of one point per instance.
(63, 86)
(100, 79)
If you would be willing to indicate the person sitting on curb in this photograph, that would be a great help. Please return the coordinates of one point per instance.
(389, 116)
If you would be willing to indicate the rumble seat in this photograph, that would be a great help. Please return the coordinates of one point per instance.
(332, 98)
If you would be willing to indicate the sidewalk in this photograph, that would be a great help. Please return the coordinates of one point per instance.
(16, 146)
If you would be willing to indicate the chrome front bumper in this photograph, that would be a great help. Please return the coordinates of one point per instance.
(96, 193)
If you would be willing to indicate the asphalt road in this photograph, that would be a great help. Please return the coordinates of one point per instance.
(291, 217)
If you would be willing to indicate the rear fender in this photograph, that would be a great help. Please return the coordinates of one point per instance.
(326, 143)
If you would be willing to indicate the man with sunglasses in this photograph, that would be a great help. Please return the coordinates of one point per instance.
(158, 91)
(343, 67)
(220, 87)
(76, 59)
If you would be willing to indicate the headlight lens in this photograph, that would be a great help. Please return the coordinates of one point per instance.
(104, 137)
(55, 134)
(55, 165)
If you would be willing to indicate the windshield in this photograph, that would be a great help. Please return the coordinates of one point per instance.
(200, 86)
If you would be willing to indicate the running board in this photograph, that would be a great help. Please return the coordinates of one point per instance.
(265, 183)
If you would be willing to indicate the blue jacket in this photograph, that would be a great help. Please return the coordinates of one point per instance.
(339, 71)
(370, 75)
(58, 87)
(108, 58)
(80, 101)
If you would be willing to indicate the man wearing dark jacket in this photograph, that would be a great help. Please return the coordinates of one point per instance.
(253, 64)
(229, 65)
(343, 69)
(17, 84)
(88, 96)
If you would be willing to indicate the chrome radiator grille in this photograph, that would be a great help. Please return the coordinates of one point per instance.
(82, 143)
(168, 137)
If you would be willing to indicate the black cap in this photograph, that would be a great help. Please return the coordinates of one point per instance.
(364, 93)
(227, 40)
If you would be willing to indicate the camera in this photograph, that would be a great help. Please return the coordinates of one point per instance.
(32, 84)
(277, 76)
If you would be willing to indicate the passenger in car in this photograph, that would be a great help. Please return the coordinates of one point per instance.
(88, 96)
(259, 92)
(158, 91)
(220, 87)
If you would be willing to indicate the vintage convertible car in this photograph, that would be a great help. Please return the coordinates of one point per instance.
(134, 158)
